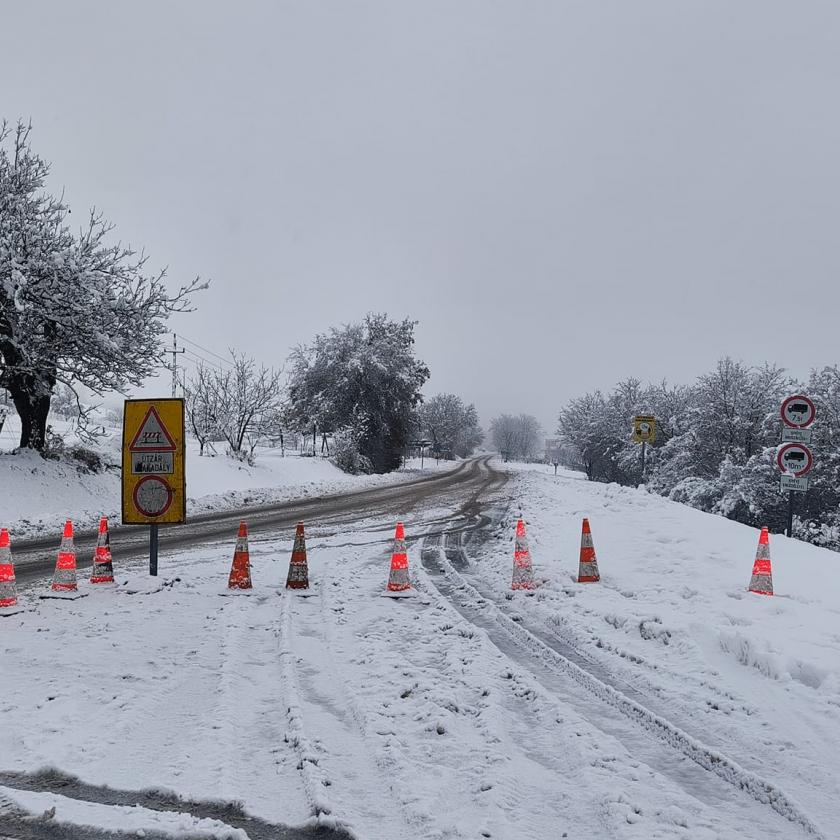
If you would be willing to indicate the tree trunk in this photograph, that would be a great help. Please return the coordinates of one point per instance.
(33, 410)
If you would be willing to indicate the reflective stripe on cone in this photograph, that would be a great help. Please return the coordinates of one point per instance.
(64, 579)
(523, 571)
(8, 588)
(298, 577)
(398, 578)
(240, 570)
(761, 581)
(588, 567)
(103, 566)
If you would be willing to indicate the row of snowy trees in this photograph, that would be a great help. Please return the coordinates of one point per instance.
(716, 444)
(357, 387)
(80, 314)
(450, 424)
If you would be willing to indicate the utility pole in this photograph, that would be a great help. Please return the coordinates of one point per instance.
(175, 351)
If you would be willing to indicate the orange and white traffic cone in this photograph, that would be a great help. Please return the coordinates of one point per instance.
(64, 579)
(240, 570)
(588, 569)
(761, 581)
(8, 590)
(523, 571)
(398, 580)
(103, 565)
(298, 577)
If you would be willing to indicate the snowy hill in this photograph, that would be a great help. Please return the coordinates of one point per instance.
(751, 675)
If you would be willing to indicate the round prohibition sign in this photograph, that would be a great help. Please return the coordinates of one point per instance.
(152, 496)
(798, 411)
(795, 459)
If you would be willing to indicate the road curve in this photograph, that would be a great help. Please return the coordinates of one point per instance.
(36, 558)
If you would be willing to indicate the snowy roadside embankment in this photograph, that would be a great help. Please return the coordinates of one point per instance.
(757, 678)
(39, 494)
(396, 718)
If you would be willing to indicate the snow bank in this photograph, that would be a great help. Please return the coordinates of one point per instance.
(39, 495)
(755, 677)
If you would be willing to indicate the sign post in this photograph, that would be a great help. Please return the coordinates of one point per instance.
(421, 445)
(153, 476)
(644, 432)
(793, 457)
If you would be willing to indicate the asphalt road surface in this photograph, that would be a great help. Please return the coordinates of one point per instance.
(34, 559)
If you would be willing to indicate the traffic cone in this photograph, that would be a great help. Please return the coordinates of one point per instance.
(8, 590)
(103, 566)
(64, 579)
(523, 572)
(588, 569)
(398, 580)
(298, 577)
(240, 570)
(761, 581)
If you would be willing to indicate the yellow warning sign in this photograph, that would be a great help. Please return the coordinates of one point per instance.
(644, 429)
(153, 480)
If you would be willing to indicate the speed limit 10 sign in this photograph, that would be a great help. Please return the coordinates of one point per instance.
(795, 459)
(798, 412)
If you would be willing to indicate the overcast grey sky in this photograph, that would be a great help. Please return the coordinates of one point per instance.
(562, 193)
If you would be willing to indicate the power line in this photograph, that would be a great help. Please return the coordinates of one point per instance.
(195, 357)
(211, 352)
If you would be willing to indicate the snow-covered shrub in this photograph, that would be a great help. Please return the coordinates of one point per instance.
(86, 459)
(53, 445)
(346, 455)
(241, 455)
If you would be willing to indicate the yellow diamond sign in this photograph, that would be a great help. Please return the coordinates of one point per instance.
(153, 480)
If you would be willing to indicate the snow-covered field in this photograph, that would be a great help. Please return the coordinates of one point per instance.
(696, 711)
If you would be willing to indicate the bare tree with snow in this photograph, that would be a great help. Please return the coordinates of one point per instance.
(451, 426)
(516, 436)
(241, 404)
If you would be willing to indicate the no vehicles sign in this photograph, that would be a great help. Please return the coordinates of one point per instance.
(153, 485)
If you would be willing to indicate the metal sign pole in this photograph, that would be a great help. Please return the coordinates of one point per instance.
(789, 531)
(644, 447)
(153, 549)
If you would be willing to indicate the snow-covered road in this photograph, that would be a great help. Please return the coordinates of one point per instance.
(458, 713)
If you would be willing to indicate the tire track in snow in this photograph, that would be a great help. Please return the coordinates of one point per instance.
(764, 792)
(343, 729)
(247, 734)
(315, 781)
(333, 616)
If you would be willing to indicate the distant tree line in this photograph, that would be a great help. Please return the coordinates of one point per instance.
(716, 444)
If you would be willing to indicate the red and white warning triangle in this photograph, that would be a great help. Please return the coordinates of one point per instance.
(152, 435)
